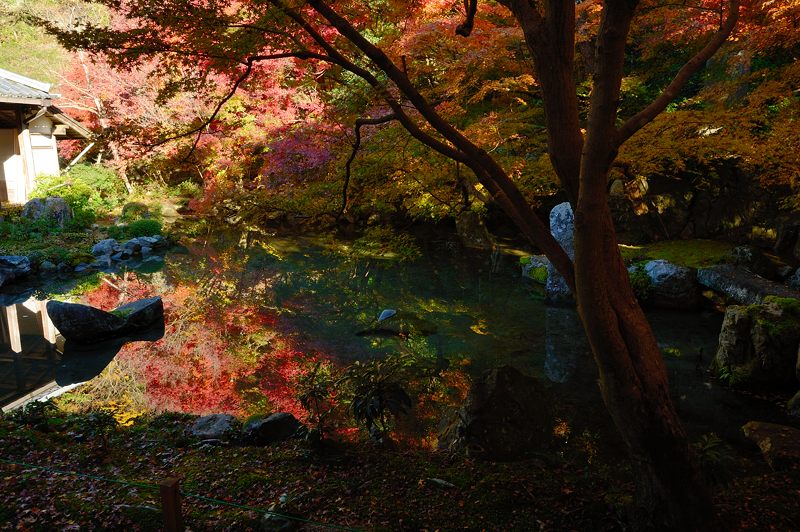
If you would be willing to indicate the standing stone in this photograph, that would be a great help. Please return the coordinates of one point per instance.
(562, 226)
(53, 208)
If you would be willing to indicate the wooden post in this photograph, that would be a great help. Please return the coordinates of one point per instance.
(171, 505)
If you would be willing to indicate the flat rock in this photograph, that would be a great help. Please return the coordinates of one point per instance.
(740, 285)
(105, 247)
(779, 444)
(85, 324)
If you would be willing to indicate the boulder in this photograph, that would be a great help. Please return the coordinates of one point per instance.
(472, 231)
(793, 282)
(793, 406)
(85, 324)
(107, 246)
(506, 415)
(740, 285)
(758, 345)
(142, 313)
(13, 267)
(274, 428)
(132, 246)
(672, 286)
(562, 226)
(52, 208)
(779, 444)
(214, 427)
(155, 241)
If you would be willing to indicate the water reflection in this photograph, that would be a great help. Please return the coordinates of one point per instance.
(35, 359)
(244, 324)
(81, 362)
(28, 353)
(565, 344)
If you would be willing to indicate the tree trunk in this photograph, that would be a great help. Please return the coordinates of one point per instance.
(671, 494)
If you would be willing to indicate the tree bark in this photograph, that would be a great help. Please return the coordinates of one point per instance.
(671, 494)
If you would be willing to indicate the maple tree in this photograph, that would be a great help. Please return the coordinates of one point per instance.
(360, 45)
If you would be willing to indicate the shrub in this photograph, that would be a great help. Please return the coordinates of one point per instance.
(90, 191)
(146, 227)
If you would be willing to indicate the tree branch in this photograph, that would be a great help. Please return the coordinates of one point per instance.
(487, 170)
(249, 62)
(465, 28)
(356, 144)
(643, 117)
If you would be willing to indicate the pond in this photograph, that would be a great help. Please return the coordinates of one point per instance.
(247, 316)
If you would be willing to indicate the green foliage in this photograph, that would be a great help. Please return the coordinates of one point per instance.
(315, 390)
(145, 227)
(186, 189)
(641, 283)
(378, 391)
(91, 191)
(715, 457)
(35, 414)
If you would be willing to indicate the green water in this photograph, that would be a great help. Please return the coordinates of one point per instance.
(469, 308)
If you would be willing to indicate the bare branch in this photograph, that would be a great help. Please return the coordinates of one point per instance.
(643, 117)
(356, 144)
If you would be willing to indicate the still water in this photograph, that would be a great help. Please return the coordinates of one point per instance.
(245, 316)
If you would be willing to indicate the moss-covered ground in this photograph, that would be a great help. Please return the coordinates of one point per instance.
(692, 253)
(576, 485)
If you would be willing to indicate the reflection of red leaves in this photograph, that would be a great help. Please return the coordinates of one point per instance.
(278, 371)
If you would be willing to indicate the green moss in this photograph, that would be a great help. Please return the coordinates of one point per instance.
(121, 313)
(789, 305)
(691, 253)
(539, 274)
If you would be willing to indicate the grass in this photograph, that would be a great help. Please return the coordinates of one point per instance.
(691, 253)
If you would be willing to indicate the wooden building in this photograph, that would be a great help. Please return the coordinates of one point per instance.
(30, 126)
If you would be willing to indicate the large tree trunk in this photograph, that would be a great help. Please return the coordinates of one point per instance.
(671, 494)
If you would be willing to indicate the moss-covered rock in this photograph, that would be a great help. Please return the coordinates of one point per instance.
(758, 344)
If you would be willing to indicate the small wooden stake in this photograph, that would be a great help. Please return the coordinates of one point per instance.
(171, 505)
